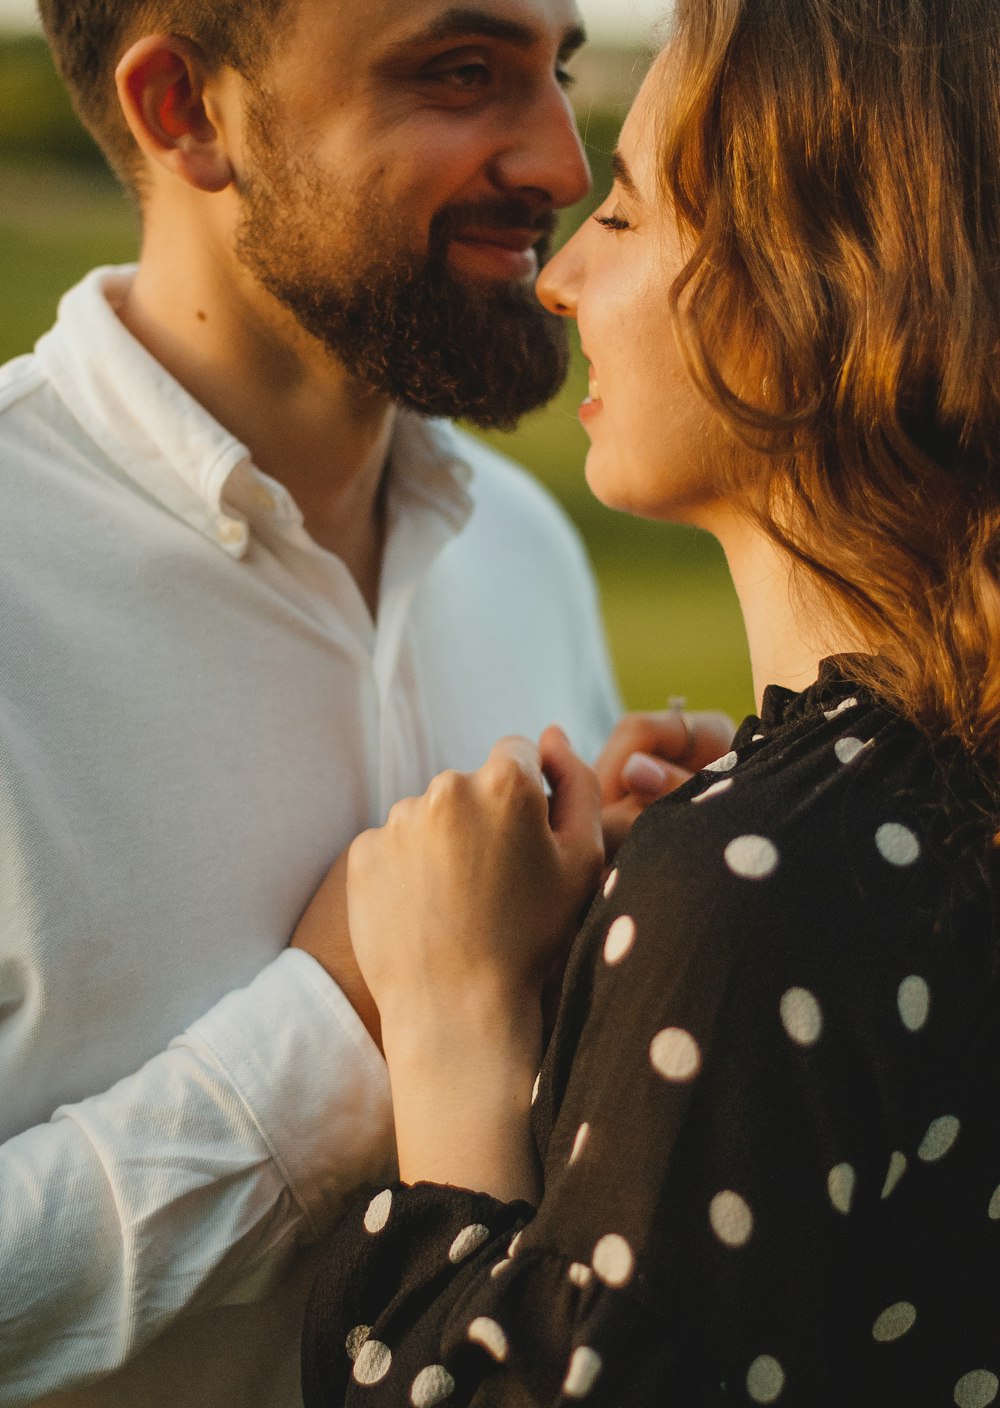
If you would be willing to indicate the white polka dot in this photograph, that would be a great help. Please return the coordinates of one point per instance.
(431, 1386)
(373, 1362)
(377, 1214)
(501, 1266)
(847, 749)
(765, 1379)
(844, 704)
(584, 1368)
(579, 1274)
(621, 937)
(977, 1389)
(752, 857)
(840, 1186)
(897, 1167)
(610, 883)
(993, 1211)
(488, 1333)
(894, 1322)
(758, 738)
(514, 1241)
(356, 1339)
(613, 1260)
(467, 1241)
(675, 1054)
(731, 1218)
(914, 1002)
(535, 1087)
(941, 1135)
(897, 844)
(580, 1142)
(716, 789)
(724, 764)
(801, 1016)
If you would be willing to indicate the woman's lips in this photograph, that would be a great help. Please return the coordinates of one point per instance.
(593, 403)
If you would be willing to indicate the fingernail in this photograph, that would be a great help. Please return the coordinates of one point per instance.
(643, 773)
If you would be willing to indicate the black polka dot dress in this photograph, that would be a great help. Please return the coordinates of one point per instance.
(769, 1116)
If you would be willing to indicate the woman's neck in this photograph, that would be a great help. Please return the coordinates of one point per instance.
(789, 627)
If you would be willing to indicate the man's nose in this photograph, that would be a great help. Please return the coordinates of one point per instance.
(545, 153)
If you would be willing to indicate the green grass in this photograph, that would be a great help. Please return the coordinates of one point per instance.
(672, 618)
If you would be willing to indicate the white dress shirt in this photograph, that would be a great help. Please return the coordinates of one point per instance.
(197, 713)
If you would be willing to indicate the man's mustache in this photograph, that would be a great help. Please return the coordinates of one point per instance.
(502, 213)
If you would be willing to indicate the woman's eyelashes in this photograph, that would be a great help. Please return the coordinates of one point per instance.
(615, 221)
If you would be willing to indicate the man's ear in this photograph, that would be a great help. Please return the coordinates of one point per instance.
(161, 88)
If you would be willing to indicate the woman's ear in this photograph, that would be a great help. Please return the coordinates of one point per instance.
(161, 87)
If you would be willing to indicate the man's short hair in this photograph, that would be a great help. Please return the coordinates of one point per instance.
(89, 37)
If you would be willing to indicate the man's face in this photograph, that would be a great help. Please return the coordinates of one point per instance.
(404, 160)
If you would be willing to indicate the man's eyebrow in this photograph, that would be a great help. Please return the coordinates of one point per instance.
(621, 173)
(465, 21)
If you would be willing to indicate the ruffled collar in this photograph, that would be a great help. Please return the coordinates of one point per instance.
(834, 685)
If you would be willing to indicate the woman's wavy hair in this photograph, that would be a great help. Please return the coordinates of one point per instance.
(836, 164)
(88, 37)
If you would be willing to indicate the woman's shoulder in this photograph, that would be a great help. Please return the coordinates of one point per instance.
(832, 826)
(813, 880)
(829, 785)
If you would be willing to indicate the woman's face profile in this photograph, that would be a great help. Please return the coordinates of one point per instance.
(651, 432)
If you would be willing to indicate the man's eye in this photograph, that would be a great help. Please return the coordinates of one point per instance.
(466, 77)
(564, 78)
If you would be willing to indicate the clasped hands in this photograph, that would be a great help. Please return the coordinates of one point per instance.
(472, 892)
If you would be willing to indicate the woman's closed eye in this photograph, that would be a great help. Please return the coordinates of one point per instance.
(615, 221)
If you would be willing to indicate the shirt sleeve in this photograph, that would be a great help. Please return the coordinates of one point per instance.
(187, 1182)
(746, 1120)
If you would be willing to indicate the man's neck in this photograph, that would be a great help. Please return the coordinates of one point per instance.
(305, 422)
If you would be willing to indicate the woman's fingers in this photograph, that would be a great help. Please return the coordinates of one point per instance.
(680, 743)
(646, 777)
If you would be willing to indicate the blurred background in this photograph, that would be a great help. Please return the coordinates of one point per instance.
(671, 614)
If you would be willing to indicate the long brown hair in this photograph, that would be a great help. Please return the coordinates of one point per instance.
(837, 164)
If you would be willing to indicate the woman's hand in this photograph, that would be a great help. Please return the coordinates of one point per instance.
(468, 893)
(651, 754)
(458, 908)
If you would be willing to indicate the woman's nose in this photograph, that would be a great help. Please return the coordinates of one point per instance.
(558, 282)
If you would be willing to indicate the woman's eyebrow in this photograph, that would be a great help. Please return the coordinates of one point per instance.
(621, 173)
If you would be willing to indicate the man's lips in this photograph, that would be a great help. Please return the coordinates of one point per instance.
(519, 241)
(497, 251)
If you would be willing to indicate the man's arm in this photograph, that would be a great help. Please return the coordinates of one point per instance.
(219, 1156)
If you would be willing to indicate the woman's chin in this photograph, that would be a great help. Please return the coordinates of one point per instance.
(615, 489)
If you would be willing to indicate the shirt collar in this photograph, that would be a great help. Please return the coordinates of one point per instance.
(159, 435)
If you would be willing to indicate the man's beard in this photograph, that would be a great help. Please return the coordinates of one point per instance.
(403, 324)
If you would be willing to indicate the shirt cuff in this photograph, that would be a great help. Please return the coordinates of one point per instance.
(311, 1078)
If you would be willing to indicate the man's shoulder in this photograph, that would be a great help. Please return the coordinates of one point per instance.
(508, 496)
(37, 429)
(19, 379)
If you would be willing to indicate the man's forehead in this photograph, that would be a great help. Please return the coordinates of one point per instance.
(392, 22)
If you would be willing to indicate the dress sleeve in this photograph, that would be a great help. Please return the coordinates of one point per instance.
(438, 1295)
(745, 1117)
